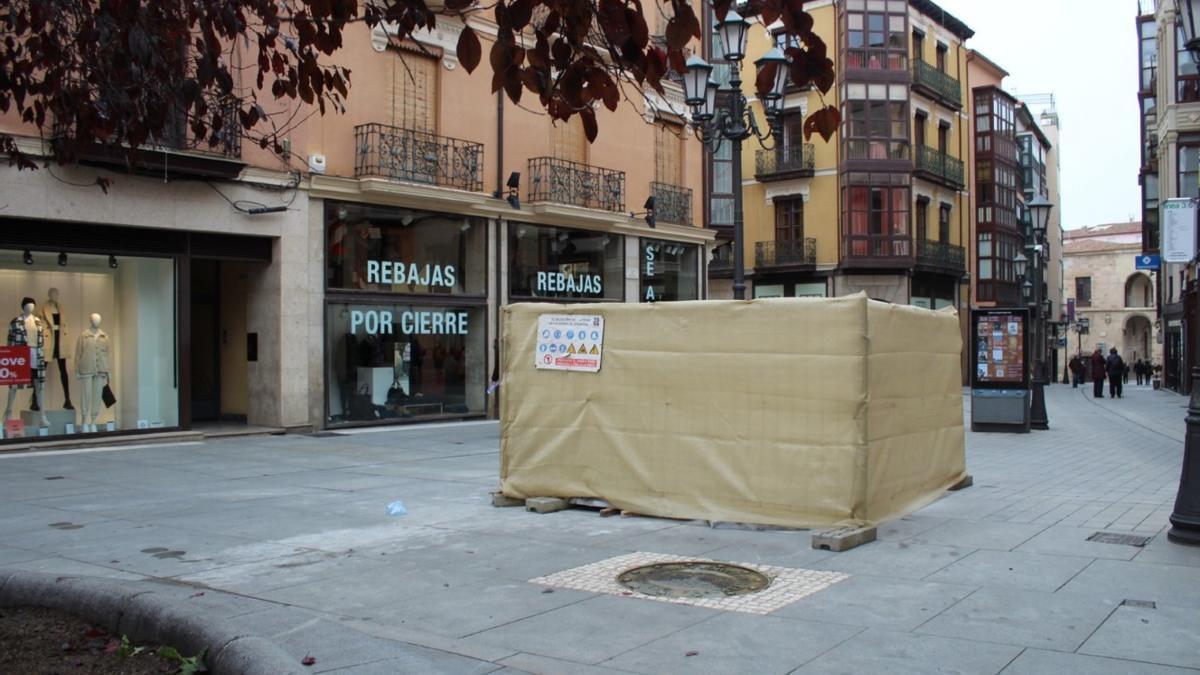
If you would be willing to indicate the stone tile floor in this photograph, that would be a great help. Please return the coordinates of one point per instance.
(999, 577)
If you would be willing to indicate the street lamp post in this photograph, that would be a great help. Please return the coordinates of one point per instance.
(1185, 519)
(1039, 211)
(734, 123)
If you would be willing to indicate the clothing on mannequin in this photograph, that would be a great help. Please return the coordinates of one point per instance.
(92, 369)
(56, 333)
(27, 329)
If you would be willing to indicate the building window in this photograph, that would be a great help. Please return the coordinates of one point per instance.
(1189, 171)
(922, 218)
(877, 220)
(985, 256)
(943, 139)
(720, 205)
(668, 153)
(944, 223)
(568, 140)
(1187, 78)
(918, 45)
(670, 271)
(942, 51)
(1148, 32)
(877, 121)
(1150, 212)
(1083, 291)
(919, 122)
(414, 91)
(875, 34)
(789, 219)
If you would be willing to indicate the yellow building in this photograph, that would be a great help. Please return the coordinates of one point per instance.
(882, 207)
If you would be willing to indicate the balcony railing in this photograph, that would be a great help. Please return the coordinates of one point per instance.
(939, 84)
(565, 182)
(672, 204)
(785, 252)
(876, 59)
(940, 165)
(941, 254)
(897, 247)
(417, 157)
(790, 160)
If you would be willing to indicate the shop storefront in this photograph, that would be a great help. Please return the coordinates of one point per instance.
(405, 315)
(669, 271)
(99, 335)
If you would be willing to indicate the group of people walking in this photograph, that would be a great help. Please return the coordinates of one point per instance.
(1113, 368)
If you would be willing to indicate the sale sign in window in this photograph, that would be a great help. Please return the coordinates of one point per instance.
(15, 368)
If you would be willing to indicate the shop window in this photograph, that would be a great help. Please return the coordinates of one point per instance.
(395, 361)
(669, 271)
(392, 250)
(96, 321)
(563, 264)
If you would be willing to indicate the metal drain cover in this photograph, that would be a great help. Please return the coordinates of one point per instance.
(693, 580)
(1118, 538)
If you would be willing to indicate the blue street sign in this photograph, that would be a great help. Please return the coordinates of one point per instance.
(1148, 262)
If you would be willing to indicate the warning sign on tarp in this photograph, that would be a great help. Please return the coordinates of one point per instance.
(569, 342)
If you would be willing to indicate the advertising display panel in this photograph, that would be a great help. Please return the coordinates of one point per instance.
(999, 343)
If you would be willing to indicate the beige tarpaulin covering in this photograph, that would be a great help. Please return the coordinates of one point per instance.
(794, 412)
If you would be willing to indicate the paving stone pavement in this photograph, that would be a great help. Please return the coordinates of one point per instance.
(999, 577)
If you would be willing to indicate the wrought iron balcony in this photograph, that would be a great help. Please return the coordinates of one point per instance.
(565, 182)
(781, 163)
(721, 265)
(934, 83)
(672, 204)
(417, 157)
(942, 255)
(940, 167)
(785, 252)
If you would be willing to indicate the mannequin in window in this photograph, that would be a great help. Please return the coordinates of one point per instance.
(92, 369)
(27, 329)
(55, 322)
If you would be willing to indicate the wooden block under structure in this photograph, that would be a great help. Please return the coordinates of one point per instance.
(966, 482)
(843, 538)
(499, 499)
(545, 504)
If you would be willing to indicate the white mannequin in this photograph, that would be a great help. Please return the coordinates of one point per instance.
(91, 365)
(33, 331)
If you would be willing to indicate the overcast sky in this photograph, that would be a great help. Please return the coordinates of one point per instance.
(1085, 53)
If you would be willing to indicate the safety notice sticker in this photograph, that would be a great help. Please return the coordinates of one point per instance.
(569, 342)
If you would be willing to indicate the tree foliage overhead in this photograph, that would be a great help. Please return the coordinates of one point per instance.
(127, 73)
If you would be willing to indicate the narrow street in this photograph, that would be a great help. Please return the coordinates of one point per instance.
(1000, 577)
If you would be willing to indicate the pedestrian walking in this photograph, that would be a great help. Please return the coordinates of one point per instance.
(1115, 368)
(1076, 368)
(1124, 372)
(1139, 371)
(1097, 372)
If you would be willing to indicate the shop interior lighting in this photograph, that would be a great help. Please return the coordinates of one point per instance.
(62, 259)
(112, 262)
(28, 257)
